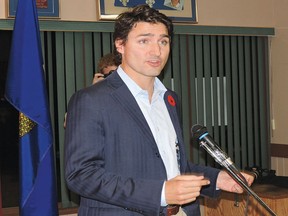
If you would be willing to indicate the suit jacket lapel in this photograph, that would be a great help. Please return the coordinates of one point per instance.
(171, 102)
(126, 99)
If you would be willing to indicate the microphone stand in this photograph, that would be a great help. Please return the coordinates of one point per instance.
(232, 171)
(225, 161)
(222, 158)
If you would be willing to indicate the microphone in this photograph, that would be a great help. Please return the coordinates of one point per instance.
(206, 142)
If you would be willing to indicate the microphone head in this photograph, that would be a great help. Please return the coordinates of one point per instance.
(197, 131)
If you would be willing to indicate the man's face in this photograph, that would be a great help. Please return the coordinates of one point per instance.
(109, 68)
(146, 50)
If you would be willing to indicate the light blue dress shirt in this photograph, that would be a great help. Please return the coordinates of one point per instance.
(159, 121)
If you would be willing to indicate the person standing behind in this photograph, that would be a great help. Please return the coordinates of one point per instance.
(124, 149)
(106, 65)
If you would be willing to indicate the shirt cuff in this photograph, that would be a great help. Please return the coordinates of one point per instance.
(163, 198)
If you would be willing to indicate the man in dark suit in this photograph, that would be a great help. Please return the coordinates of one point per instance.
(124, 150)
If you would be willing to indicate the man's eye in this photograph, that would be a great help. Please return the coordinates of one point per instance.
(144, 41)
(164, 42)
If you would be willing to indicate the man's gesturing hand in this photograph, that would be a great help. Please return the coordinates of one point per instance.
(184, 188)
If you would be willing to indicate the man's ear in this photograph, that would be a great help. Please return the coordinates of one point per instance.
(119, 46)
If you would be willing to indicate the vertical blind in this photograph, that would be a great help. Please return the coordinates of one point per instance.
(222, 81)
(224, 85)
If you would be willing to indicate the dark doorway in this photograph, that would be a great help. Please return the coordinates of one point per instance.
(8, 133)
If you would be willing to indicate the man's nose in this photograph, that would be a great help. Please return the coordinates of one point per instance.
(155, 49)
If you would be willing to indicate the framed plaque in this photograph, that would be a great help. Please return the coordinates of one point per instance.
(45, 8)
(176, 10)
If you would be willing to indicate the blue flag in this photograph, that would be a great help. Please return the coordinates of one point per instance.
(26, 91)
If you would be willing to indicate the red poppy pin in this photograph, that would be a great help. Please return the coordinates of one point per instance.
(171, 100)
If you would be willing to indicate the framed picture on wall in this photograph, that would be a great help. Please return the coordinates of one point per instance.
(45, 8)
(176, 10)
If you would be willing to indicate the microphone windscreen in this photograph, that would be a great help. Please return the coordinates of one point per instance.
(197, 131)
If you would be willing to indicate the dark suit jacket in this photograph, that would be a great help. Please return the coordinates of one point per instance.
(111, 158)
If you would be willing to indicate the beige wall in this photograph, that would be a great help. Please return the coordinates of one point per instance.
(279, 84)
(256, 13)
(78, 10)
(279, 74)
(2, 9)
(210, 12)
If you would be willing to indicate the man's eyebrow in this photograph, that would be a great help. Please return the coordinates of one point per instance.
(150, 34)
(165, 35)
(146, 34)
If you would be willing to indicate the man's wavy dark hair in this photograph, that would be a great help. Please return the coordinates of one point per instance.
(141, 13)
